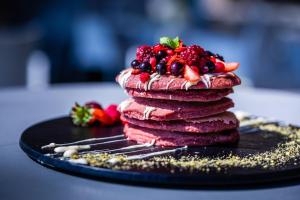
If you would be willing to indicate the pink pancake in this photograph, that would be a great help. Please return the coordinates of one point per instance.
(182, 95)
(168, 82)
(216, 123)
(167, 138)
(172, 110)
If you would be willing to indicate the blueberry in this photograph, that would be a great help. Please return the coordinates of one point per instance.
(176, 68)
(210, 65)
(145, 67)
(135, 64)
(218, 56)
(204, 69)
(161, 68)
(209, 53)
(161, 54)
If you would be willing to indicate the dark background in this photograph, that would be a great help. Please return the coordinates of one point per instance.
(61, 41)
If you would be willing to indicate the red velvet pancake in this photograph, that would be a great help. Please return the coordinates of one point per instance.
(167, 138)
(202, 95)
(168, 83)
(216, 123)
(172, 110)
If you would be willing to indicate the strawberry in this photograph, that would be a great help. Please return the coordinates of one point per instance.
(101, 116)
(82, 115)
(144, 77)
(159, 47)
(170, 52)
(229, 67)
(135, 71)
(153, 63)
(219, 67)
(191, 73)
(113, 113)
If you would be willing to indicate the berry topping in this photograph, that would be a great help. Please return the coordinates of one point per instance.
(170, 57)
(161, 68)
(219, 67)
(229, 67)
(192, 55)
(176, 68)
(143, 53)
(209, 53)
(144, 77)
(204, 69)
(161, 54)
(153, 63)
(135, 64)
(218, 56)
(210, 65)
(191, 73)
(145, 67)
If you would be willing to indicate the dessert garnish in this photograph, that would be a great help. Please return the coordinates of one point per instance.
(92, 113)
(173, 57)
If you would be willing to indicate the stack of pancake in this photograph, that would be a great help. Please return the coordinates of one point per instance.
(175, 112)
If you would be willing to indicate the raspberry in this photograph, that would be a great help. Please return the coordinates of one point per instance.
(144, 77)
(143, 53)
(192, 55)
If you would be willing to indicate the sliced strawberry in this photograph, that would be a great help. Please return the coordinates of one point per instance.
(219, 67)
(144, 77)
(191, 74)
(153, 63)
(213, 59)
(229, 67)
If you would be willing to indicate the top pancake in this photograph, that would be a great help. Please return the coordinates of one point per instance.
(167, 82)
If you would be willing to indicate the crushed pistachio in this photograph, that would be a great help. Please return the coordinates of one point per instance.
(288, 151)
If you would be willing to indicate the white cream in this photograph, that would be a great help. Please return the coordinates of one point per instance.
(183, 84)
(190, 84)
(147, 112)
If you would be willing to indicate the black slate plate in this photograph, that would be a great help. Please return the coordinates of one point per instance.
(62, 130)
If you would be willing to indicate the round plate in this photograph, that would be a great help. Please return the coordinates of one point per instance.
(62, 130)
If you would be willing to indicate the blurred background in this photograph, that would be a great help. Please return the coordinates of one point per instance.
(62, 41)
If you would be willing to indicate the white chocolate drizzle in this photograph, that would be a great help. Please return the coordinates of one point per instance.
(190, 84)
(124, 104)
(147, 112)
(123, 77)
(52, 145)
(206, 80)
(81, 161)
(148, 84)
(72, 147)
(183, 84)
(169, 83)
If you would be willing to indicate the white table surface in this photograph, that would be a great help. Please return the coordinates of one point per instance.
(22, 178)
